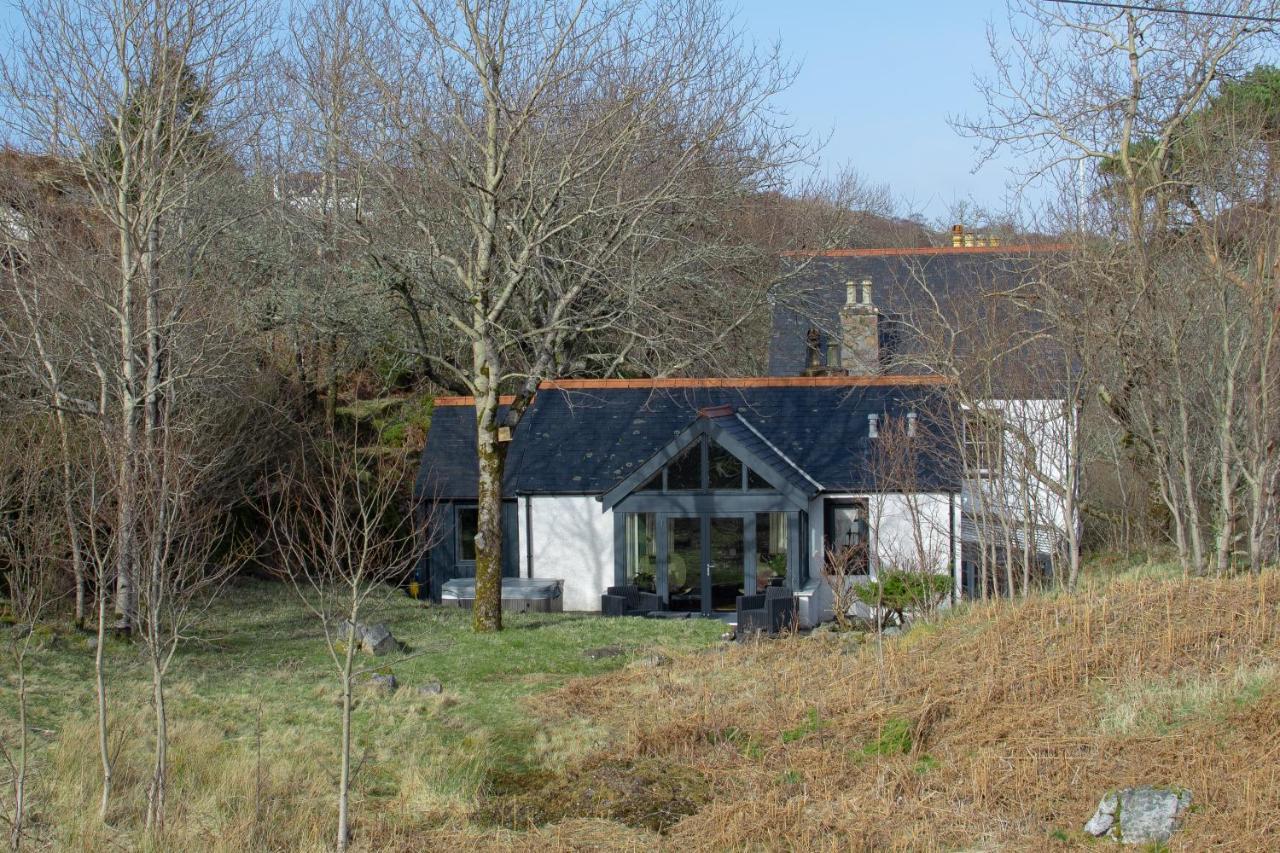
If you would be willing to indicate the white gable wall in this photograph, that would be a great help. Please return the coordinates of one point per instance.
(572, 541)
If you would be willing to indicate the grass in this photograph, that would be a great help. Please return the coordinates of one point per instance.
(253, 705)
(997, 727)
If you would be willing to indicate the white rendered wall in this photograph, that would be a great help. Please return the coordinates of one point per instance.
(572, 541)
(1020, 489)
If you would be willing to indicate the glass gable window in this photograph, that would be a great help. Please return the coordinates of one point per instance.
(715, 470)
(642, 550)
(685, 471)
(467, 521)
(724, 470)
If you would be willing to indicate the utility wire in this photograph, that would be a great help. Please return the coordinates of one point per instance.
(1196, 12)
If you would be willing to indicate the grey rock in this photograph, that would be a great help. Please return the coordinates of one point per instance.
(1141, 815)
(604, 652)
(383, 684)
(431, 688)
(374, 639)
(728, 636)
(91, 643)
(892, 631)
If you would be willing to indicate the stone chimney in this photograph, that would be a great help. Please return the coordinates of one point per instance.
(860, 331)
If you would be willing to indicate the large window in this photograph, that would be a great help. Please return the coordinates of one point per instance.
(983, 444)
(642, 550)
(716, 470)
(466, 521)
(848, 533)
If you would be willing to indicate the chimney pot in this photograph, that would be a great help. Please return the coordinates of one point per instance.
(911, 424)
(957, 236)
(866, 291)
(850, 293)
(873, 426)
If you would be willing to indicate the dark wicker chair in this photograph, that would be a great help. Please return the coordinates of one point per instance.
(628, 601)
(771, 612)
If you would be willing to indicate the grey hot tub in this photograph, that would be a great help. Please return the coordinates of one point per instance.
(519, 595)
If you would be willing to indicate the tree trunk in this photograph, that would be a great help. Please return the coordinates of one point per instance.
(344, 773)
(159, 769)
(19, 767)
(100, 675)
(487, 614)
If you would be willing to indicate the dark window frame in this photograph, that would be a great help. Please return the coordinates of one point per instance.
(458, 509)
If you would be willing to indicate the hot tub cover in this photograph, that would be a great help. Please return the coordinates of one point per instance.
(512, 588)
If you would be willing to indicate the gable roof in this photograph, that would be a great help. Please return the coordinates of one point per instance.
(585, 437)
(904, 282)
(731, 431)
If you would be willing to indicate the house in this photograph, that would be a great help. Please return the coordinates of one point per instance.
(701, 490)
(698, 490)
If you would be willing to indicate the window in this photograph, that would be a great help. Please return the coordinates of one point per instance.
(983, 445)
(771, 549)
(466, 521)
(848, 533)
(642, 550)
(685, 471)
(724, 470)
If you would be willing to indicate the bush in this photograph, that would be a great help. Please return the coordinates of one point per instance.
(900, 592)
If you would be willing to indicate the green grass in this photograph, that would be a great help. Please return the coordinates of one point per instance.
(256, 677)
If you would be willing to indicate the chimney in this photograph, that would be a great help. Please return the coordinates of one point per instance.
(859, 332)
(957, 236)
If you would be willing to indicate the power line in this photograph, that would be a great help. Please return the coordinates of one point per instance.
(1197, 12)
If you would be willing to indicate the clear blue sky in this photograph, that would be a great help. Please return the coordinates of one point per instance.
(881, 79)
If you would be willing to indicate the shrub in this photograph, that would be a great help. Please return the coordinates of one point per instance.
(899, 593)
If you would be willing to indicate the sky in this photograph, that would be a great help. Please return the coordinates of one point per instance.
(881, 78)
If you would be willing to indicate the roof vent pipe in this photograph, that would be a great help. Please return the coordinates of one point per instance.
(911, 424)
(873, 426)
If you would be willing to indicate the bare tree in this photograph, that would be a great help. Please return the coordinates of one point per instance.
(345, 536)
(552, 170)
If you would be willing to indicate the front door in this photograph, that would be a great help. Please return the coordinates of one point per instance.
(706, 562)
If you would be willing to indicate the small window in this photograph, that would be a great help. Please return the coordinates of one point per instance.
(848, 534)
(757, 483)
(684, 474)
(653, 484)
(983, 446)
(468, 518)
(724, 470)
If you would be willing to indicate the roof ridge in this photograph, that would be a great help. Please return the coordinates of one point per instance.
(717, 382)
(1013, 249)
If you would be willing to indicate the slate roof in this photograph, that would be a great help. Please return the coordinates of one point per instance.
(585, 440)
(814, 296)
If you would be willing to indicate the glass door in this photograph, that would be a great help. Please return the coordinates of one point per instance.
(726, 562)
(684, 563)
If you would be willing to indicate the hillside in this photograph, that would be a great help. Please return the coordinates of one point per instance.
(1000, 728)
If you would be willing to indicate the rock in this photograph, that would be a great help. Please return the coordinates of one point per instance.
(91, 643)
(383, 684)
(374, 639)
(604, 652)
(431, 688)
(728, 636)
(1139, 815)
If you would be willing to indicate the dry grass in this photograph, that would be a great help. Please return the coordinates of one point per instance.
(997, 729)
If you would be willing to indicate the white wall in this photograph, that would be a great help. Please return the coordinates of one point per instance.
(1046, 424)
(572, 541)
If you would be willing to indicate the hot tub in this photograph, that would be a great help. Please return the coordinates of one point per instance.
(519, 595)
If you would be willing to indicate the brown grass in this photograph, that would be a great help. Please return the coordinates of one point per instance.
(998, 728)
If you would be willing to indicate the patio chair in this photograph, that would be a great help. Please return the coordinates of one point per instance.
(771, 612)
(628, 601)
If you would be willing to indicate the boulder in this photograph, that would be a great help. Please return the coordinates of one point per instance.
(654, 660)
(383, 684)
(374, 639)
(431, 688)
(1141, 815)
